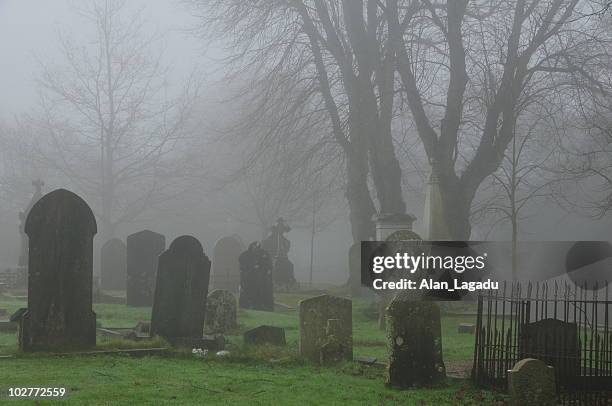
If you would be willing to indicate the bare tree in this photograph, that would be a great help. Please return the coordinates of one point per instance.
(106, 120)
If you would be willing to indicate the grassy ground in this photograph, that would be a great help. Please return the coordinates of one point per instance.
(248, 376)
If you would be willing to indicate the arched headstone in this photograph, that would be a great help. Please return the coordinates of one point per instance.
(60, 227)
(226, 268)
(143, 248)
(113, 266)
(220, 312)
(180, 291)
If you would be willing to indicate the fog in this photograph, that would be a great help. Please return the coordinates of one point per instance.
(220, 165)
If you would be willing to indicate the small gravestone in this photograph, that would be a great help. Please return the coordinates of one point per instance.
(556, 343)
(265, 335)
(60, 227)
(113, 266)
(415, 343)
(180, 291)
(466, 328)
(143, 248)
(314, 314)
(256, 287)
(532, 383)
(225, 267)
(220, 312)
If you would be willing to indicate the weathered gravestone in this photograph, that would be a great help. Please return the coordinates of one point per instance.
(415, 343)
(315, 314)
(220, 312)
(556, 343)
(256, 287)
(143, 248)
(265, 335)
(532, 383)
(113, 266)
(180, 291)
(60, 227)
(333, 349)
(226, 268)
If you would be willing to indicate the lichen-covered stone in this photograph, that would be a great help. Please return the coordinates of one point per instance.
(143, 249)
(415, 343)
(314, 315)
(180, 291)
(220, 312)
(334, 349)
(60, 227)
(532, 383)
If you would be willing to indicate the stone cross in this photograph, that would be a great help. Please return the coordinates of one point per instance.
(60, 227)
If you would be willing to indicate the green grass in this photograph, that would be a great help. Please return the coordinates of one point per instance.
(261, 375)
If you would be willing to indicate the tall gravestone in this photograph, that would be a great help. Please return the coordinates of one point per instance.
(256, 287)
(60, 227)
(180, 291)
(113, 265)
(414, 337)
(143, 248)
(226, 268)
(317, 314)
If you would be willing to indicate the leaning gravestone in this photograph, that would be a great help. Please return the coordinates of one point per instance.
(415, 343)
(60, 227)
(143, 248)
(315, 314)
(256, 291)
(220, 312)
(113, 265)
(226, 268)
(180, 291)
(532, 383)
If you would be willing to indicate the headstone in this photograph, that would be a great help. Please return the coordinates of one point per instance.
(555, 342)
(256, 287)
(314, 314)
(226, 268)
(143, 248)
(113, 266)
(180, 291)
(532, 383)
(265, 335)
(415, 343)
(220, 312)
(278, 247)
(60, 227)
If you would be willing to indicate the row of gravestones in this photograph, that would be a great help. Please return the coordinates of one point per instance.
(61, 227)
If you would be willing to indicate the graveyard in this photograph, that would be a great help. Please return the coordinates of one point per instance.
(306, 202)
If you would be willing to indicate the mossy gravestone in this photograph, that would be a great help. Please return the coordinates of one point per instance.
(113, 265)
(532, 383)
(220, 312)
(143, 248)
(60, 227)
(415, 343)
(180, 291)
(256, 286)
(265, 335)
(314, 315)
(226, 269)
